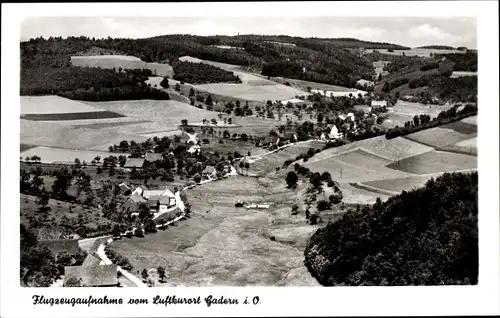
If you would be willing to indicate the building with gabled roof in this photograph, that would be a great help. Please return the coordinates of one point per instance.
(138, 163)
(91, 260)
(153, 157)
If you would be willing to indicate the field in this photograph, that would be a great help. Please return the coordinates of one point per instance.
(436, 161)
(392, 150)
(462, 74)
(253, 87)
(224, 245)
(355, 166)
(418, 52)
(64, 136)
(405, 111)
(53, 105)
(59, 155)
(125, 62)
(445, 135)
(303, 85)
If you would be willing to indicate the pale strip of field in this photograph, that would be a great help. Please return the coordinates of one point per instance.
(470, 120)
(252, 92)
(438, 137)
(456, 74)
(120, 61)
(393, 149)
(164, 112)
(468, 143)
(81, 123)
(418, 52)
(161, 134)
(59, 155)
(436, 161)
(51, 104)
(412, 109)
(352, 195)
(224, 66)
(63, 136)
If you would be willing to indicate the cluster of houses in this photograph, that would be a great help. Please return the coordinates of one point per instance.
(157, 200)
(150, 157)
(346, 93)
(92, 273)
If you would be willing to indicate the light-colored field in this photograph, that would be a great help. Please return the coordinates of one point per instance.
(442, 136)
(59, 155)
(125, 62)
(419, 52)
(165, 112)
(393, 149)
(355, 166)
(253, 87)
(470, 120)
(221, 245)
(436, 161)
(456, 74)
(303, 85)
(352, 195)
(404, 111)
(64, 136)
(468, 146)
(401, 184)
(52, 104)
(228, 47)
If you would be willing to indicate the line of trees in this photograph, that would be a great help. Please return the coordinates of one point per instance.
(201, 73)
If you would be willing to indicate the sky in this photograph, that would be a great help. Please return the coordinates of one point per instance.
(408, 31)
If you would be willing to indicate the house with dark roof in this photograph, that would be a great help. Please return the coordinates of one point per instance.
(154, 205)
(92, 276)
(57, 246)
(133, 202)
(153, 157)
(138, 163)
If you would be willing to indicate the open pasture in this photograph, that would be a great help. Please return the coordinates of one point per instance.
(64, 136)
(52, 104)
(392, 150)
(355, 166)
(418, 52)
(221, 245)
(468, 146)
(121, 61)
(445, 135)
(303, 85)
(470, 120)
(225, 66)
(252, 92)
(59, 155)
(434, 162)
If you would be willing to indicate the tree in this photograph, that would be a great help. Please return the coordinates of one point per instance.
(197, 178)
(291, 179)
(164, 82)
(116, 230)
(62, 183)
(73, 282)
(209, 101)
(191, 92)
(144, 274)
(184, 122)
(178, 87)
(78, 165)
(43, 199)
(139, 232)
(295, 209)
(322, 205)
(150, 226)
(161, 273)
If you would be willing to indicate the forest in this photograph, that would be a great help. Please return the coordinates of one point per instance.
(466, 62)
(201, 73)
(460, 89)
(427, 236)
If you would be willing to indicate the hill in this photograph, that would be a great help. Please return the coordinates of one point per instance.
(427, 236)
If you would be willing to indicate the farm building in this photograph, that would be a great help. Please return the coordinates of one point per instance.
(363, 108)
(258, 206)
(209, 172)
(153, 157)
(379, 103)
(363, 82)
(134, 162)
(154, 205)
(123, 187)
(140, 190)
(194, 149)
(92, 276)
(334, 133)
(351, 116)
(57, 246)
(294, 102)
(268, 140)
(133, 202)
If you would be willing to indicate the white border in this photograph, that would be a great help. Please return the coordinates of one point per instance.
(481, 299)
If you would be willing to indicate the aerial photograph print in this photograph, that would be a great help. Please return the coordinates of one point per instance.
(266, 151)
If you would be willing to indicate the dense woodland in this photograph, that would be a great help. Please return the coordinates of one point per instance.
(463, 61)
(427, 236)
(460, 89)
(201, 73)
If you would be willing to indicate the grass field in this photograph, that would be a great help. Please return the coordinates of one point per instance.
(405, 111)
(468, 146)
(434, 162)
(25, 147)
(64, 136)
(470, 120)
(59, 155)
(223, 245)
(392, 150)
(456, 74)
(125, 62)
(355, 166)
(445, 135)
(52, 104)
(303, 85)
(108, 124)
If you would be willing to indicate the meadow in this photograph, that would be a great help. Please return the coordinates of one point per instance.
(223, 245)
(51, 104)
(60, 155)
(434, 162)
(446, 135)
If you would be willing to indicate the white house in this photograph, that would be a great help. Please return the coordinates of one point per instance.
(334, 133)
(195, 148)
(379, 103)
(346, 93)
(351, 116)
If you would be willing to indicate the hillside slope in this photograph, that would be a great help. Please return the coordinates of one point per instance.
(427, 236)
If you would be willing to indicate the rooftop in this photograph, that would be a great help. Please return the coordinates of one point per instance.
(134, 162)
